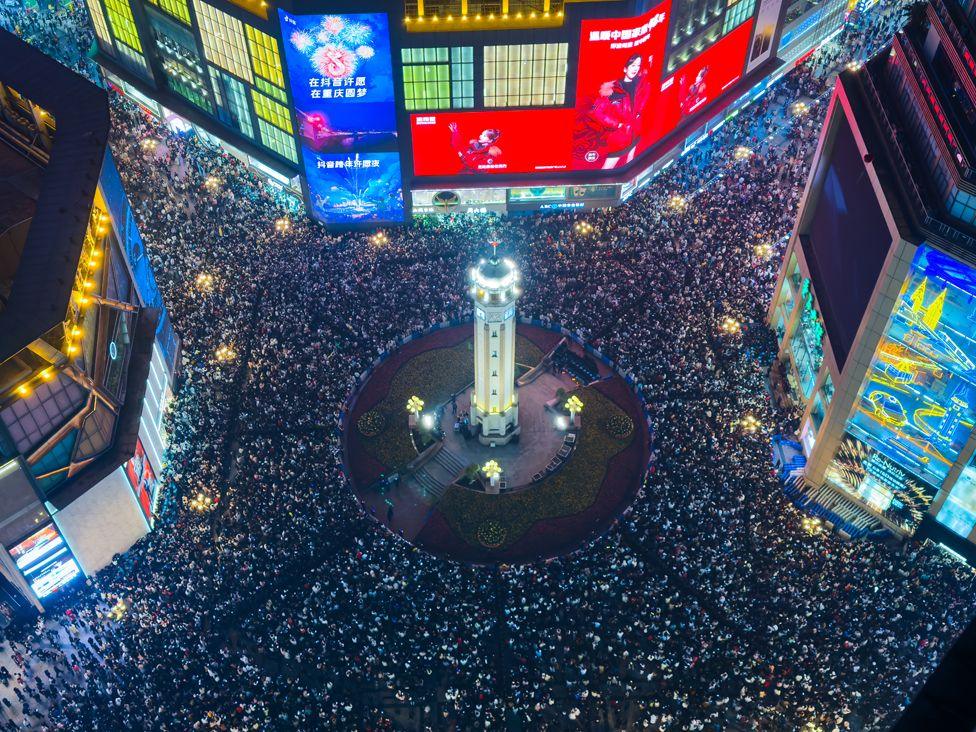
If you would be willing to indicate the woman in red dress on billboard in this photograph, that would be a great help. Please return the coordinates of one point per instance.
(476, 154)
(612, 128)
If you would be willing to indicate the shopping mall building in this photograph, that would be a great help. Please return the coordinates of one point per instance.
(87, 352)
(875, 306)
(376, 110)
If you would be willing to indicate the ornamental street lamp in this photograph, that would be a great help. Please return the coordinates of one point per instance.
(414, 405)
(493, 472)
(574, 406)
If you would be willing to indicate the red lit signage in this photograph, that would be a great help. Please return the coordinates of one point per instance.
(458, 143)
(618, 78)
(623, 106)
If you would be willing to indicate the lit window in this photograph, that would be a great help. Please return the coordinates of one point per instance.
(438, 78)
(271, 90)
(270, 111)
(98, 20)
(134, 56)
(278, 141)
(526, 75)
(235, 112)
(737, 14)
(177, 8)
(123, 24)
(264, 55)
(223, 40)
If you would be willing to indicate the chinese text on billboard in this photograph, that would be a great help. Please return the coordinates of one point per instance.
(342, 84)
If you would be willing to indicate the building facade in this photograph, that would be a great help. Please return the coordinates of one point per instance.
(87, 352)
(378, 110)
(875, 305)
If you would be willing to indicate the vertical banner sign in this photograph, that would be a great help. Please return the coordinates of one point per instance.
(762, 36)
(620, 64)
(341, 78)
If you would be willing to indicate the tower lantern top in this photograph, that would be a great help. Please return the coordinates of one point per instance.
(495, 275)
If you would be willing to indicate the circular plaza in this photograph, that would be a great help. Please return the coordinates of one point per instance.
(419, 466)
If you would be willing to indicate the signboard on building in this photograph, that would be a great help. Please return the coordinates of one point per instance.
(624, 106)
(763, 34)
(341, 77)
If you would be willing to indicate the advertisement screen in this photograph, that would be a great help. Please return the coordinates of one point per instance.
(762, 38)
(459, 143)
(342, 84)
(623, 106)
(142, 479)
(619, 74)
(45, 561)
(700, 82)
(917, 404)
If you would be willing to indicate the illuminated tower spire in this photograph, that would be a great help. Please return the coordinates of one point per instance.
(494, 401)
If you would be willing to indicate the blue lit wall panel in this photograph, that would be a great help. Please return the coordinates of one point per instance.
(341, 76)
(135, 254)
(918, 403)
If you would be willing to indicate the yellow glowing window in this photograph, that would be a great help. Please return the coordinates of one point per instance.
(176, 8)
(529, 74)
(268, 109)
(122, 22)
(98, 20)
(223, 40)
(264, 55)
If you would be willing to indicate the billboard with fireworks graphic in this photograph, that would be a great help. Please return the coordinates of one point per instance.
(341, 78)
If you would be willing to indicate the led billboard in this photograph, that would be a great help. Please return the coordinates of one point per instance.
(464, 143)
(341, 77)
(142, 479)
(623, 106)
(45, 561)
(917, 405)
(618, 80)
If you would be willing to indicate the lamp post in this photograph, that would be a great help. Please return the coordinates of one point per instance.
(493, 472)
(414, 405)
(574, 406)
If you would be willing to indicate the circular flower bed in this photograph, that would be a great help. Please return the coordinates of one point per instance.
(619, 426)
(371, 423)
(492, 534)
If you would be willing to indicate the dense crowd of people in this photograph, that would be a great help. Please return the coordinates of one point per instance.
(707, 606)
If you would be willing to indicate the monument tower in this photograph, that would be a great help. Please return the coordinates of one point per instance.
(494, 400)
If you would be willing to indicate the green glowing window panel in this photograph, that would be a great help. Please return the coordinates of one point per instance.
(193, 95)
(807, 342)
(269, 110)
(98, 21)
(917, 404)
(123, 24)
(223, 40)
(271, 90)
(236, 112)
(264, 55)
(278, 141)
(738, 14)
(438, 78)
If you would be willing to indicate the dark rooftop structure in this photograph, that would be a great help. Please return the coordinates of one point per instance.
(46, 189)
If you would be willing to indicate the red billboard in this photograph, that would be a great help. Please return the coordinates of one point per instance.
(456, 143)
(142, 479)
(700, 81)
(623, 106)
(618, 77)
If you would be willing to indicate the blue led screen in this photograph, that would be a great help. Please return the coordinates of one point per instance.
(341, 77)
(917, 405)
